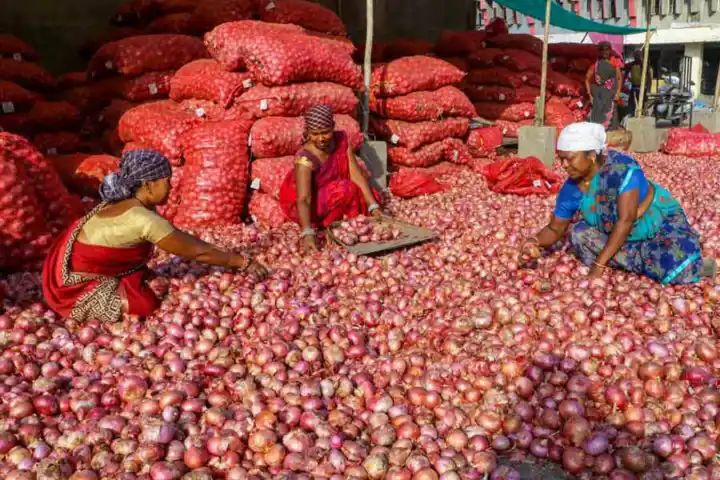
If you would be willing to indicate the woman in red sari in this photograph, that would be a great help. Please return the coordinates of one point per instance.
(97, 268)
(326, 185)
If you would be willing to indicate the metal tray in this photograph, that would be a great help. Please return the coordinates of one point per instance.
(411, 235)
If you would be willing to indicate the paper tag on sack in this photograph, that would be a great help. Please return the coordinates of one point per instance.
(501, 97)
(153, 88)
(249, 140)
(270, 6)
(253, 218)
(527, 114)
(524, 78)
(456, 155)
(580, 104)
(7, 107)
(247, 83)
(52, 151)
(255, 185)
(537, 183)
(394, 139)
(109, 65)
(101, 117)
(200, 112)
(17, 57)
(263, 105)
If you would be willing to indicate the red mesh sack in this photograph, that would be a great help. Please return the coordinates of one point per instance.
(170, 208)
(484, 58)
(699, 128)
(89, 47)
(419, 106)
(413, 182)
(575, 103)
(413, 135)
(268, 174)
(306, 14)
(559, 64)
(563, 85)
(215, 176)
(425, 156)
(211, 13)
(282, 136)
(527, 94)
(207, 110)
(11, 46)
(282, 54)
(208, 80)
(60, 208)
(54, 115)
(689, 143)
(93, 96)
(13, 97)
(511, 129)
(407, 47)
(146, 53)
(26, 74)
(484, 141)
(296, 99)
(52, 143)
(490, 93)
(558, 114)
(520, 60)
(16, 123)
(413, 74)
(455, 151)
(573, 50)
(139, 11)
(84, 173)
(159, 125)
(496, 76)
(179, 23)
(377, 55)
(109, 116)
(111, 143)
(149, 86)
(518, 41)
(580, 65)
(266, 211)
(458, 62)
(500, 111)
(71, 79)
(24, 235)
(497, 26)
(460, 43)
(521, 176)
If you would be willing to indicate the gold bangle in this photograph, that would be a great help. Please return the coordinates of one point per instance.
(604, 267)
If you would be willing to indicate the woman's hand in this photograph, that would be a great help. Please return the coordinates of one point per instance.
(596, 271)
(257, 269)
(377, 213)
(529, 252)
(308, 244)
(248, 264)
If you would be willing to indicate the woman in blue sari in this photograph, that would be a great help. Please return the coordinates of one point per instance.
(627, 222)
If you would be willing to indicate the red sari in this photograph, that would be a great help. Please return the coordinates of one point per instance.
(334, 195)
(83, 282)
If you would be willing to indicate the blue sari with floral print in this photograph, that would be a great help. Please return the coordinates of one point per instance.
(662, 245)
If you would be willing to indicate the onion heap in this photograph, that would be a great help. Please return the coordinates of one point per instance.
(444, 361)
(364, 229)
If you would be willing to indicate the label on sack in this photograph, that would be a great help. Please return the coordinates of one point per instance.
(394, 139)
(200, 112)
(17, 57)
(537, 183)
(7, 107)
(270, 6)
(52, 151)
(101, 118)
(501, 97)
(153, 88)
(249, 140)
(527, 114)
(456, 155)
(109, 65)
(263, 105)
(247, 83)
(255, 185)
(580, 104)
(253, 218)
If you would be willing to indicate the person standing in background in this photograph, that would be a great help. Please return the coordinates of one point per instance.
(634, 76)
(603, 82)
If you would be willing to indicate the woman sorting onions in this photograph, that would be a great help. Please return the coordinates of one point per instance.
(627, 221)
(326, 185)
(97, 268)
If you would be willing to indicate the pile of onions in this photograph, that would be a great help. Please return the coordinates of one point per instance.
(363, 229)
(445, 361)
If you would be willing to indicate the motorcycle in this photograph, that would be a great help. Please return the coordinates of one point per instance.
(671, 103)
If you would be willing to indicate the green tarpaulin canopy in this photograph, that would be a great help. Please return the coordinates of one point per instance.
(560, 17)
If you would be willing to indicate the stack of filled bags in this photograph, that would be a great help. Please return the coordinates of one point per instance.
(569, 63)
(505, 83)
(456, 47)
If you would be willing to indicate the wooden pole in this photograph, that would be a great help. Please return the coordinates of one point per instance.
(646, 57)
(540, 108)
(716, 97)
(367, 64)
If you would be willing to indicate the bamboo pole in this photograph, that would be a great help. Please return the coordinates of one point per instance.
(540, 109)
(716, 97)
(646, 57)
(367, 63)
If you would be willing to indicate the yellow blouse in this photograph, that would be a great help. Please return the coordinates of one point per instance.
(132, 227)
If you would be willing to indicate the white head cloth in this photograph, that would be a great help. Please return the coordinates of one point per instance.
(582, 137)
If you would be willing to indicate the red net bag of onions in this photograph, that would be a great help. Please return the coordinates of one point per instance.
(283, 136)
(170, 209)
(690, 143)
(158, 125)
(54, 115)
(207, 80)
(413, 135)
(13, 97)
(268, 174)
(295, 99)
(415, 107)
(413, 182)
(215, 177)
(413, 74)
(455, 151)
(460, 43)
(496, 76)
(52, 143)
(425, 156)
(407, 47)
(484, 141)
(500, 111)
(149, 86)
(16, 123)
(518, 41)
(29, 75)
(146, 53)
(83, 173)
(282, 54)
(520, 60)
(558, 114)
(521, 176)
(178, 23)
(511, 129)
(211, 13)
(93, 96)
(266, 211)
(484, 58)
(306, 14)
(573, 50)
(490, 93)
(110, 116)
(11, 46)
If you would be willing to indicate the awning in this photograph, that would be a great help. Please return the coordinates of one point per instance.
(563, 18)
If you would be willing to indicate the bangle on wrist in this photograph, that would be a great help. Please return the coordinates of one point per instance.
(308, 232)
(373, 207)
(600, 265)
(533, 240)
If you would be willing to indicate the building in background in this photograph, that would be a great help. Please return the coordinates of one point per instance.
(684, 28)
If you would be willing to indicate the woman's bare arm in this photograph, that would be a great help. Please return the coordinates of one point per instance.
(588, 81)
(552, 232)
(303, 185)
(192, 248)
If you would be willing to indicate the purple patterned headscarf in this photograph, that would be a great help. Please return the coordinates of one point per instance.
(136, 167)
(319, 117)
